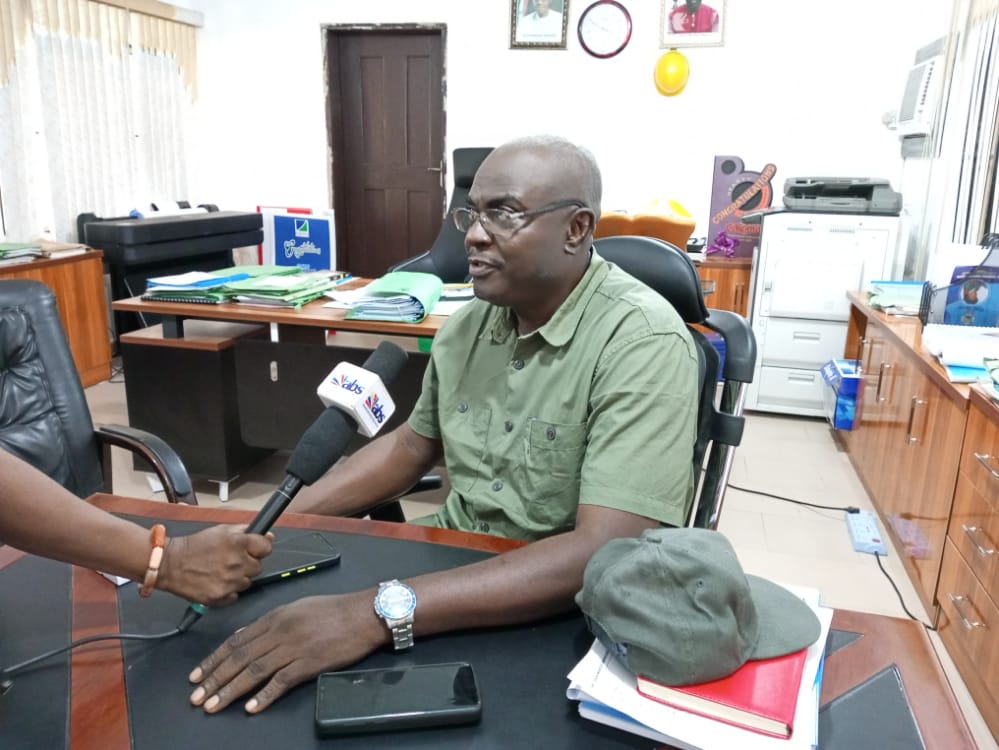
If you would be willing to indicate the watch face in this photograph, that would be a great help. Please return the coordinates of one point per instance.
(395, 601)
(605, 28)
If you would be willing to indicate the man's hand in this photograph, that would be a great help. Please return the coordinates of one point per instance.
(286, 647)
(211, 566)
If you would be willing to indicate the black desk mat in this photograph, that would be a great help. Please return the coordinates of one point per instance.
(530, 663)
(35, 615)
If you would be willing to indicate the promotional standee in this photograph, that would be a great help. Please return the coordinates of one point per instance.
(302, 237)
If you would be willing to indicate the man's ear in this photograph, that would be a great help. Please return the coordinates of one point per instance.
(581, 228)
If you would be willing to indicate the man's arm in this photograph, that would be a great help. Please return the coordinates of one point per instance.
(384, 468)
(296, 642)
(39, 516)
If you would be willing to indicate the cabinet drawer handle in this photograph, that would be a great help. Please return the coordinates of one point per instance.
(973, 532)
(957, 600)
(860, 353)
(909, 437)
(984, 459)
(881, 377)
(806, 336)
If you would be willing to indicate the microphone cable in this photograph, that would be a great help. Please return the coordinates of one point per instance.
(5, 674)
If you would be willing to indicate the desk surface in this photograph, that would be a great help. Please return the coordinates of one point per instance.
(312, 315)
(99, 713)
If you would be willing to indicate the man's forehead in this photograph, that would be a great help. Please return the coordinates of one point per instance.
(521, 173)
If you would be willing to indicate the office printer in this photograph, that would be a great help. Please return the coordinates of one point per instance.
(850, 195)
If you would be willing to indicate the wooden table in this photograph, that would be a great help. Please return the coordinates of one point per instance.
(99, 709)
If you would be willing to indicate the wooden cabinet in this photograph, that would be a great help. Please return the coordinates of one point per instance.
(731, 277)
(78, 284)
(969, 579)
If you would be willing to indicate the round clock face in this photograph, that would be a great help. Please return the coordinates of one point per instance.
(396, 601)
(605, 28)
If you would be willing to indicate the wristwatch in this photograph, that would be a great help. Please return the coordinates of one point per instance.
(395, 603)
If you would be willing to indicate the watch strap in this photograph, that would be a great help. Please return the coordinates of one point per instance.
(402, 634)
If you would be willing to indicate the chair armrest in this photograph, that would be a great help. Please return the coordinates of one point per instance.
(165, 462)
(391, 510)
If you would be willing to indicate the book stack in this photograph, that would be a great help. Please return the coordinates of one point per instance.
(206, 287)
(765, 704)
(16, 251)
(285, 290)
(399, 296)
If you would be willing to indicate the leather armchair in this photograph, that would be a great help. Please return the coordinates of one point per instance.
(446, 257)
(44, 416)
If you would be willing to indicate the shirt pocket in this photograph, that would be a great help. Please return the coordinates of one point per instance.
(466, 427)
(552, 470)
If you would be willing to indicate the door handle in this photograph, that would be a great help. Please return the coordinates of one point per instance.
(881, 376)
(910, 438)
(983, 459)
(959, 601)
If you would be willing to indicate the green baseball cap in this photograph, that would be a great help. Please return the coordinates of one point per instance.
(677, 607)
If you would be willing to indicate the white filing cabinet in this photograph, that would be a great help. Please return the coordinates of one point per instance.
(805, 265)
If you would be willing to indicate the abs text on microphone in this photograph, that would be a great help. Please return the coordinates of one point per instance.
(360, 393)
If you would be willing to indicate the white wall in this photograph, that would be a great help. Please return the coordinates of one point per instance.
(798, 83)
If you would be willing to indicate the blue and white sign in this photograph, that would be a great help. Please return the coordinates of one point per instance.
(305, 241)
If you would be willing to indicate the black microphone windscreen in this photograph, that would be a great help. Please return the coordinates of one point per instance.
(322, 445)
(386, 361)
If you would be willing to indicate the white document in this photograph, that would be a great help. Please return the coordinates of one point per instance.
(601, 678)
(344, 299)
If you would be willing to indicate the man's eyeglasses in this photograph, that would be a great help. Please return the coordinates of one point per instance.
(503, 221)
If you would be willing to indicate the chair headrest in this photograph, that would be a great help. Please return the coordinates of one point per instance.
(466, 164)
(661, 266)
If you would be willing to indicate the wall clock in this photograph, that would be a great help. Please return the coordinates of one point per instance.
(604, 28)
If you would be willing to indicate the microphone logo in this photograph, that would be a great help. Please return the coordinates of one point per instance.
(374, 406)
(347, 383)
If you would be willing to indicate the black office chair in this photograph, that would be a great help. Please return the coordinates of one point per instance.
(446, 257)
(720, 421)
(44, 416)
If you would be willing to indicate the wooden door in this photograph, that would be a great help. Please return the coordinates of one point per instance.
(386, 120)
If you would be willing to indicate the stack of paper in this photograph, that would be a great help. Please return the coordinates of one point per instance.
(962, 349)
(399, 296)
(608, 693)
(11, 250)
(292, 290)
(205, 287)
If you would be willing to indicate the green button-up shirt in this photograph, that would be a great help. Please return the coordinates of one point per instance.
(598, 406)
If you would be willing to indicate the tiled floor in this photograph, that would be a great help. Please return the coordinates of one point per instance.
(788, 456)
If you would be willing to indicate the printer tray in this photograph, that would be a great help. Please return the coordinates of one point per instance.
(140, 241)
(165, 228)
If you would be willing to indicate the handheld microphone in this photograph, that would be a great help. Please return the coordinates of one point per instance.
(355, 399)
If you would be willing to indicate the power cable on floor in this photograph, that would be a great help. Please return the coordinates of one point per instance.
(845, 509)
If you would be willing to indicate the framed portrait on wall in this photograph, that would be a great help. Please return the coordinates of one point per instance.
(692, 23)
(538, 24)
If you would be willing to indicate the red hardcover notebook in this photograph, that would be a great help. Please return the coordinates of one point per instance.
(761, 695)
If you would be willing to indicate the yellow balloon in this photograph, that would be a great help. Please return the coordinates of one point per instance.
(671, 73)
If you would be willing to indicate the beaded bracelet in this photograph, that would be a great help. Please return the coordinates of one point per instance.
(157, 538)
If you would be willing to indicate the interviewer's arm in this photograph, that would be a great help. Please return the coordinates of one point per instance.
(298, 641)
(39, 516)
(383, 468)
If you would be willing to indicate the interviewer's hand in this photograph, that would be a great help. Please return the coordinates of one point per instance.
(212, 565)
(288, 646)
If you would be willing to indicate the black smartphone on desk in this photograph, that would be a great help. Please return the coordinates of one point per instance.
(294, 556)
(381, 700)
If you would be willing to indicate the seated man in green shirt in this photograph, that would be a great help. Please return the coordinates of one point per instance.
(563, 402)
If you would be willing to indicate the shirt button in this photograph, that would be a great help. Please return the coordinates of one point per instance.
(518, 364)
(483, 527)
(508, 426)
(497, 485)
(462, 407)
(550, 433)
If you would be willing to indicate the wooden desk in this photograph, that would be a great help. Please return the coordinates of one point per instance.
(78, 284)
(99, 710)
(313, 315)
